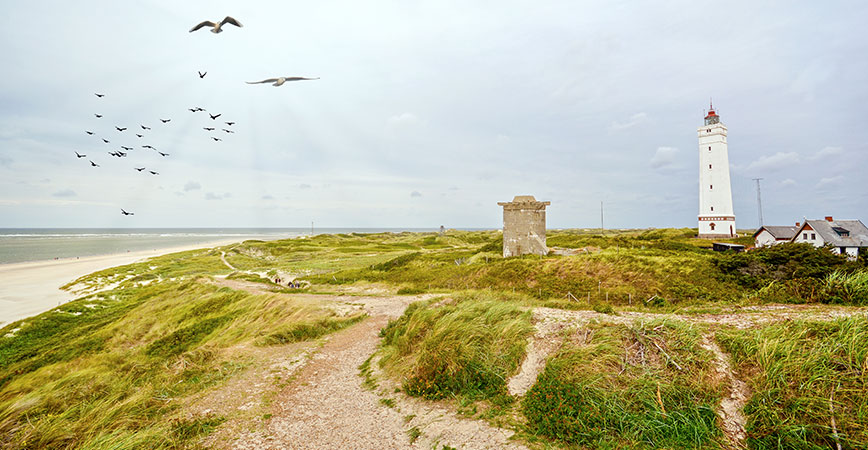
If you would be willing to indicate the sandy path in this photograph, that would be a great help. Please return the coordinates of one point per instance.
(31, 288)
(326, 406)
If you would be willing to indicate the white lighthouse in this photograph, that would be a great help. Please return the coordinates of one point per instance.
(716, 217)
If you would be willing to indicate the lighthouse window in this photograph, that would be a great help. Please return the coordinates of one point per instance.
(709, 148)
(712, 208)
(709, 166)
(712, 226)
(711, 186)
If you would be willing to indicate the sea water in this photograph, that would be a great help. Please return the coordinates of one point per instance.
(37, 244)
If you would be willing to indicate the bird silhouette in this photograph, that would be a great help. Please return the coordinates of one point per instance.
(165, 120)
(230, 123)
(208, 128)
(139, 135)
(122, 155)
(192, 110)
(145, 128)
(98, 116)
(199, 108)
(148, 146)
(153, 173)
(121, 128)
(126, 148)
(139, 168)
(90, 133)
(216, 27)
(202, 74)
(106, 141)
(127, 213)
(280, 80)
(216, 139)
(162, 154)
(79, 155)
(93, 164)
(228, 131)
(99, 95)
(213, 117)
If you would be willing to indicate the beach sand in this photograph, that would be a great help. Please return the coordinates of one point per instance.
(31, 288)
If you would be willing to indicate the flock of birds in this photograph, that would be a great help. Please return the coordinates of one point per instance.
(212, 128)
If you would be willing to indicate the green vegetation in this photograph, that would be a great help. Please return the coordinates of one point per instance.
(614, 386)
(113, 370)
(466, 345)
(805, 377)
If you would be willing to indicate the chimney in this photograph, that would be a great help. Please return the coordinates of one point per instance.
(798, 224)
(828, 218)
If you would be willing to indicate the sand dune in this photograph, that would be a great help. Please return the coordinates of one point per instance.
(31, 288)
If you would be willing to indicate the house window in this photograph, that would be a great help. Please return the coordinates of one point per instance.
(805, 236)
(708, 131)
(813, 236)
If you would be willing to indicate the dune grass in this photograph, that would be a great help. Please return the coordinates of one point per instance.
(112, 370)
(466, 345)
(614, 386)
(805, 377)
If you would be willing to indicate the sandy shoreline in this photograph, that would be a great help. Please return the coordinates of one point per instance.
(31, 288)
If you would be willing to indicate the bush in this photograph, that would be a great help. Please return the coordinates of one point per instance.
(851, 289)
(758, 267)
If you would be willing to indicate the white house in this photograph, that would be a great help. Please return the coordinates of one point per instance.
(845, 236)
(773, 235)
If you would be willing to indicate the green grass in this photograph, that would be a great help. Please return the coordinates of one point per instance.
(797, 371)
(467, 346)
(113, 370)
(614, 386)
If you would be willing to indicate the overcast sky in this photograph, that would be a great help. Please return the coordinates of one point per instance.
(428, 112)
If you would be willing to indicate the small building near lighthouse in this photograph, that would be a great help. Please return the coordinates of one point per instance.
(524, 226)
(716, 216)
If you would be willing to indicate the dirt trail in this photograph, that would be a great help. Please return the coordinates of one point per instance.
(730, 408)
(326, 405)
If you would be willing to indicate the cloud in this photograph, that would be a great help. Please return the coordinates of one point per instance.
(826, 152)
(213, 196)
(267, 197)
(635, 119)
(192, 186)
(304, 186)
(665, 158)
(4, 161)
(65, 193)
(774, 162)
(415, 194)
(788, 182)
(403, 119)
(829, 182)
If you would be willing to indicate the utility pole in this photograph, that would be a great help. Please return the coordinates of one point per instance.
(759, 202)
(602, 228)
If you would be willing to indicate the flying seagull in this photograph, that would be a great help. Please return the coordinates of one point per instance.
(93, 163)
(165, 120)
(162, 154)
(99, 95)
(216, 139)
(79, 155)
(208, 128)
(213, 117)
(280, 80)
(202, 74)
(230, 123)
(139, 135)
(126, 148)
(153, 173)
(228, 131)
(127, 213)
(139, 168)
(90, 133)
(145, 128)
(120, 128)
(98, 116)
(192, 110)
(106, 141)
(148, 146)
(217, 27)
